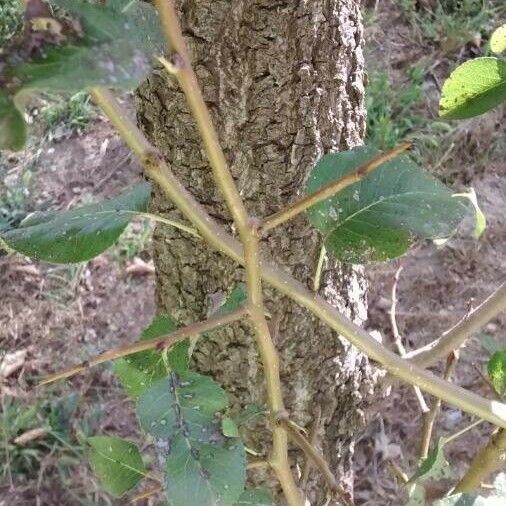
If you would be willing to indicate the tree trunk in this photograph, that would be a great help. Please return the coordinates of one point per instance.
(284, 82)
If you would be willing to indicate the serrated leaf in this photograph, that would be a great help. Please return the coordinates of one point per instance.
(496, 368)
(12, 125)
(498, 40)
(79, 234)
(116, 462)
(215, 478)
(202, 466)
(139, 371)
(375, 219)
(434, 467)
(473, 88)
(255, 497)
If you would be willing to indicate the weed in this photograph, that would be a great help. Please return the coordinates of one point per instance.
(449, 24)
(62, 117)
(11, 14)
(133, 241)
(391, 115)
(14, 193)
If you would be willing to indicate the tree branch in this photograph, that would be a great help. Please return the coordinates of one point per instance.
(454, 338)
(491, 458)
(216, 236)
(331, 189)
(159, 343)
(429, 417)
(180, 66)
(312, 454)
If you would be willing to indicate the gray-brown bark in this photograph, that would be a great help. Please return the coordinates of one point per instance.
(284, 81)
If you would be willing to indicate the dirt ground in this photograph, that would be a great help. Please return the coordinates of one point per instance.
(56, 316)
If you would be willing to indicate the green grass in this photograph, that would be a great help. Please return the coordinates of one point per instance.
(11, 19)
(14, 193)
(391, 113)
(452, 23)
(63, 116)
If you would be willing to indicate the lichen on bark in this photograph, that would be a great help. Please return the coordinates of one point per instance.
(284, 82)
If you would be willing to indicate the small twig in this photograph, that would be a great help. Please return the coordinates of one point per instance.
(319, 269)
(312, 453)
(398, 338)
(397, 472)
(331, 189)
(454, 338)
(461, 432)
(312, 441)
(148, 493)
(159, 343)
(429, 417)
(491, 458)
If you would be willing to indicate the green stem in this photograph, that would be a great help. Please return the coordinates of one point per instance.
(216, 236)
(491, 458)
(180, 66)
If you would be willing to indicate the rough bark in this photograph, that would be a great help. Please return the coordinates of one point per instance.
(284, 81)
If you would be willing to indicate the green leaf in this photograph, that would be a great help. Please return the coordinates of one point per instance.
(434, 467)
(116, 462)
(250, 411)
(488, 344)
(61, 414)
(12, 125)
(202, 466)
(497, 371)
(79, 234)
(73, 68)
(255, 497)
(473, 88)
(116, 50)
(229, 427)
(139, 371)
(498, 40)
(133, 21)
(480, 223)
(375, 219)
(237, 297)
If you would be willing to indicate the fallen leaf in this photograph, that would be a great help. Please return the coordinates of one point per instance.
(12, 362)
(30, 435)
(140, 268)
